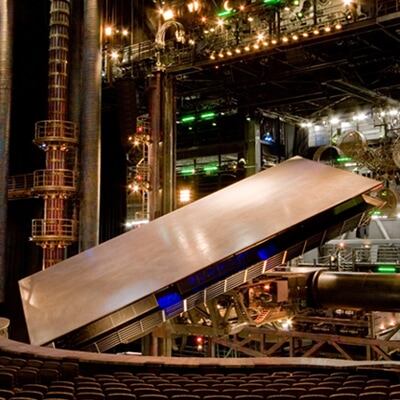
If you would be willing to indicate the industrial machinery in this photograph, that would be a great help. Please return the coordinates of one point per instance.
(205, 250)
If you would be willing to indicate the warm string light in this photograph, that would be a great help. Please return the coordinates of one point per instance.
(261, 42)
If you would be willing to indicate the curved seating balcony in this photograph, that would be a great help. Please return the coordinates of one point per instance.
(60, 132)
(49, 230)
(63, 180)
(31, 372)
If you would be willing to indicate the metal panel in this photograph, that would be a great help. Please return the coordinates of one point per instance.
(119, 272)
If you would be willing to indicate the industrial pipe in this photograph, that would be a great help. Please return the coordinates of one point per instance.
(90, 126)
(5, 113)
(367, 291)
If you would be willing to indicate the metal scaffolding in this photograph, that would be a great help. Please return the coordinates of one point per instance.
(58, 138)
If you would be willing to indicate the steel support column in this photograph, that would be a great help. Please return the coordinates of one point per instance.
(168, 115)
(253, 147)
(162, 151)
(5, 113)
(90, 126)
(155, 89)
(75, 72)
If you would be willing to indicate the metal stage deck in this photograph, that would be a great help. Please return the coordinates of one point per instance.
(124, 288)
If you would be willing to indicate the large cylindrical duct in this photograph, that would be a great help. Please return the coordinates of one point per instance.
(367, 291)
(5, 112)
(90, 126)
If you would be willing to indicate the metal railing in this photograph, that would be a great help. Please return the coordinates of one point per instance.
(54, 230)
(55, 131)
(385, 7)
(326, 18)
(61, 179)
(20, 182)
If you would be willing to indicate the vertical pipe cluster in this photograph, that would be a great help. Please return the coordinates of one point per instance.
(90, 126)
(5, 112)
(57, 136)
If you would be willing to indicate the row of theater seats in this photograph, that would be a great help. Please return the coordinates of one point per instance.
(41, 379)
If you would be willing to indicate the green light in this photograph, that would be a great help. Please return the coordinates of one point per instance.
(343, 159)
(226, 13)
(272, 2)
(387, 270)
(188, 118)
(296, 2)
(187, 171)
(210, 168)
(208, 115)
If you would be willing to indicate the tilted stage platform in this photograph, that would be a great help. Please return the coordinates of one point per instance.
(122, 289)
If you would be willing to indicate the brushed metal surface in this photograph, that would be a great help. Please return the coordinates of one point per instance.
(116, 273)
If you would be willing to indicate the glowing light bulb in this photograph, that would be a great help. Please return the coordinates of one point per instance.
(167, 14)
(125, 32)
(193, 6)
(114, 55)
(108, 31)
